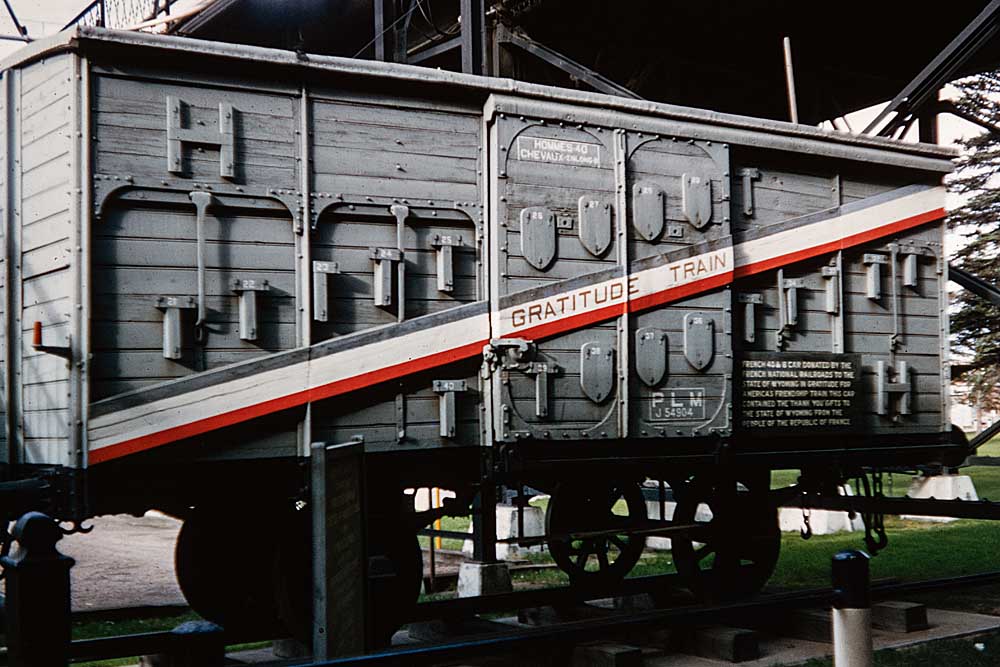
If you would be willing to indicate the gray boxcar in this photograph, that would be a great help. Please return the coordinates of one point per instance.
(216, 255)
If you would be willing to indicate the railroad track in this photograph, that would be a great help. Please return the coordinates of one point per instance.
(557, 638)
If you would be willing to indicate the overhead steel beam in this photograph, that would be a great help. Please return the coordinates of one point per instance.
(473, 17)
(938, 72)
(974, 284)
(944, 106)
(574, 69)
(385, 29)
(21, 30)
(437, 49)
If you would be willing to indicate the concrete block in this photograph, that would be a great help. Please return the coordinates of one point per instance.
(941, 487)
(812, 625)
(475, 579)
(822, 522)
(900, 617)
(289, 648)
(542, 616)
(606, 655)
(718, 643)
(534, 526)
(423, 499)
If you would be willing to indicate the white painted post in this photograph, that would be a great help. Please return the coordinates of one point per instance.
(852, 610)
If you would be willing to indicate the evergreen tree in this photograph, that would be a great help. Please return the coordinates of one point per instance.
(975, 323)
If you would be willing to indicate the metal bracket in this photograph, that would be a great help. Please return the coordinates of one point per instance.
(884, 388)
(749, 174)
(446, 404)
(507, 352)
(444, 243)
(792, 287)
(832, 301)
(248, 289)
(541, 370)
(173, 337)
(384, 259)
(64, 351)
(750, 303)
(910, 253)
(177, 136)
(321, 294)
(873, 275)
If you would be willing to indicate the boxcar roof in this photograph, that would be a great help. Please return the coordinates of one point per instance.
(86, 40)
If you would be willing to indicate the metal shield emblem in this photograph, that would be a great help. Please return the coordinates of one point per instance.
(597, 371)
(651, 355)
(538, 236)
(647, 210)
(595, 224)
(696, 195)
(699, 340)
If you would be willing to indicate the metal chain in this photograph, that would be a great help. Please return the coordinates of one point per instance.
(806, 530)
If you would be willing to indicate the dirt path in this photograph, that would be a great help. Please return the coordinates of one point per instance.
(126, 562)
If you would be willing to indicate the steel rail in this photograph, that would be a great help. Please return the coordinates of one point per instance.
(550, 637)
(566, 634)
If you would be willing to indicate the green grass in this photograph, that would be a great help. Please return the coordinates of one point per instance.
(917, 550)
(991, 448)
(97, 629)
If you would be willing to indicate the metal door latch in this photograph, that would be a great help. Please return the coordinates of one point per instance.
(750, 303)
(832, 301)
(541, 370)
(518, 354)
(749, 174)
(321, 293)
(248, 290)
(385, 260)
(173, 337)
(873, 275)
(446, 390)
(792, 287)
(884, 388)
(445, 244)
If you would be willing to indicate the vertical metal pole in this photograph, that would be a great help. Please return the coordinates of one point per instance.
(433, 542)
(473, 15)
(484, 523)
(437, 523)
(384, 17)
(852, 610)
(793, 105)
(38, 595)
(341, 615)
(927, 127)
(104, 8)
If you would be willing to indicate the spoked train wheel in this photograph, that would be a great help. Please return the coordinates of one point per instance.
(734, 549)
(578, 514)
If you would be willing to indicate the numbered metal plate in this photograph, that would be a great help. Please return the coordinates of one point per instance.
(597, 371)
(696, 194)
(538, 236)
(595, 224)
(651, 355)
(647, 210)
(699, 340)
